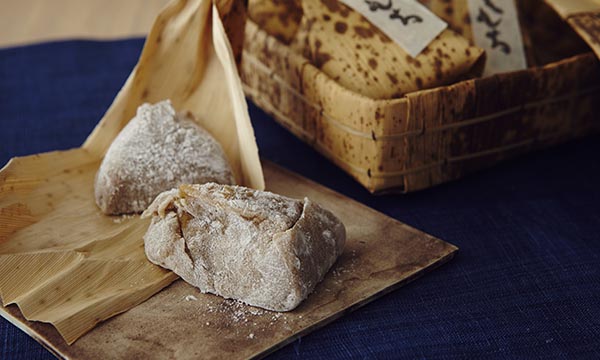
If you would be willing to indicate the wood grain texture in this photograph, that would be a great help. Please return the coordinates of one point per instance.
(381, 255)
(29, 21)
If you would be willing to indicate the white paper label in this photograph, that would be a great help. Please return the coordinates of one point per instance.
(496, 29)
(407, 22)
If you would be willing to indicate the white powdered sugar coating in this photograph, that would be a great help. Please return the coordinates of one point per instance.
(157, 150)
(264, 249)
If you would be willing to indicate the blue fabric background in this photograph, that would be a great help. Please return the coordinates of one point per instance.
(526, 283)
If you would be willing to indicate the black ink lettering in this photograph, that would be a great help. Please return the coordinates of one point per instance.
(486, 19)
(493, 35)
(405, 19)
(376, 5)
(494, 7)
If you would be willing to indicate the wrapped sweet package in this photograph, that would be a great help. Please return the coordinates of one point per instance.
(546, 37)
(64, 262)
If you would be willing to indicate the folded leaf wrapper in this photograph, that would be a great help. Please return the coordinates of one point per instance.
(278, 18)
(61, 260)
(583, 16)
(546, 38)
(356, 54)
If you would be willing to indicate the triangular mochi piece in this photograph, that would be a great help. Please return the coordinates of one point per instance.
(158, 149)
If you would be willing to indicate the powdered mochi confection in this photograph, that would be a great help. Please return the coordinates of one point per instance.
(264, 249)
(157, 150)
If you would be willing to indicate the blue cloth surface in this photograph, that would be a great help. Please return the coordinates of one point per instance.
(526, 283)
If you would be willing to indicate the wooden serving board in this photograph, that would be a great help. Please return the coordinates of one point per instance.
(381, 255)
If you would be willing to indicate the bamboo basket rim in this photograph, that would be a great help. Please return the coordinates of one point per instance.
(393, 174)
(405, 99)
(247, 56)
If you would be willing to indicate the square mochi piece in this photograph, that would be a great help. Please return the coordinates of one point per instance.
(261, 248)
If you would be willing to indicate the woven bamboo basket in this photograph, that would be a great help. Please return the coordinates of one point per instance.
(426, 137)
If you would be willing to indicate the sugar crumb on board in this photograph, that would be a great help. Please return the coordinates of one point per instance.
(241, 317)
(121, 218)
(340, 270)
(249, 321)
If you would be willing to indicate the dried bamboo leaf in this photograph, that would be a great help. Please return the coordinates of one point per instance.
(61, 260)
(360, 57)
(455, 13)
(183, 60)
(280, 19)
(583, 16)
(545, 38)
